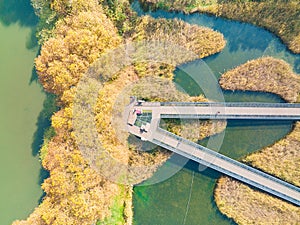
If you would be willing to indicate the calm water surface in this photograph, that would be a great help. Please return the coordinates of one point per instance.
(21, 102)
(187, 198)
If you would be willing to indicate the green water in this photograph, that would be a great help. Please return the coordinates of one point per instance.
(21, 102)
(187, 197)
(166, 202)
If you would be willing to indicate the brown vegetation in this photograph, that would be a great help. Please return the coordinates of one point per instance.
(79, 33)
(279, 16)
(248, 206)
(75, 193)
(286, 164)
(153, 87)
(265, 74)
(194, 130)
(282, 159)
(111, 140)
(157, 89)
(201, 40)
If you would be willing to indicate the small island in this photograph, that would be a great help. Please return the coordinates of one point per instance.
(279, 16)
(238, 201)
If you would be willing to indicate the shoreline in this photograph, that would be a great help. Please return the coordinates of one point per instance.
(74, 188)
(224, 11)
(278, 74)
(278, 159)
(61, 121)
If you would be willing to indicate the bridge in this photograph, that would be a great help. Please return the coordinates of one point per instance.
(143, 121)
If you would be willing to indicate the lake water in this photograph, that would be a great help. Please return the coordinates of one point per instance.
(187, 197)
(21, 103)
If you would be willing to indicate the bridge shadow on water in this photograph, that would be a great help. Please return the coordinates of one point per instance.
(188, 194)
(201, 171)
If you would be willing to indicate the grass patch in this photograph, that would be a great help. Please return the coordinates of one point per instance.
(48, 135)
(117, 210)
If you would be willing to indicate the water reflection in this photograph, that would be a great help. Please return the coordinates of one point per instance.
(244, 41)
(166, 202)
(17, 11)
(20, 12)
(243, 37)
(297, 65)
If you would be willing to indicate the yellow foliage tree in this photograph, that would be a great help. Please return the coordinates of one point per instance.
(79, 41)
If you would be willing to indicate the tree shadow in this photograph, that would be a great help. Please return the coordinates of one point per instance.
(43, 122)
(34, 76)
(17, 11)
(22, 13)
(44, 174)
(32, 41)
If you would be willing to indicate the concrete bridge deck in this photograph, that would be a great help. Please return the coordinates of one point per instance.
(266, 111)
(211, 158)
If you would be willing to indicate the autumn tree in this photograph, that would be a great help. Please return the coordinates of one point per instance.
(79, 41)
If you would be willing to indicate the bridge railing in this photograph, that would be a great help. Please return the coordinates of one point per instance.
(224, 116)
(233, 104)
(218, 155)
(147, 104)
(229, 173)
